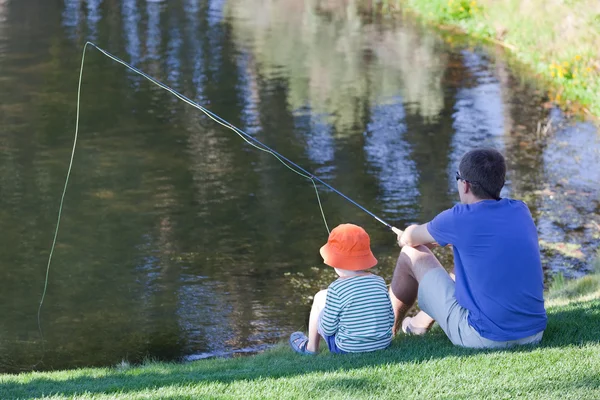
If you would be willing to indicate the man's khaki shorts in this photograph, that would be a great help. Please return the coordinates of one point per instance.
(436, 298)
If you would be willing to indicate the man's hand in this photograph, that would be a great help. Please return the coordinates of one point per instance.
(402, 235)
(407, 236)
(398, 233)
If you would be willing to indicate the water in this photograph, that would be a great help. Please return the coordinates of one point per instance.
(178, 240)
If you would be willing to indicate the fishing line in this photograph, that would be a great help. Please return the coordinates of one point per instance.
(246, 137)
(60, 208)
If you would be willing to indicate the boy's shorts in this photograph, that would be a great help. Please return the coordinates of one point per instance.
(330, 340)
(436, 298)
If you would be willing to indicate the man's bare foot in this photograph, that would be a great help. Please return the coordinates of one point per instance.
(409, 329)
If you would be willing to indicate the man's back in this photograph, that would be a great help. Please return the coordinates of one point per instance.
(499, 278)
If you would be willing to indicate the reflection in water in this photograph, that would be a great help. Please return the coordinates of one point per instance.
(173, 53)
(3, 18)
(329, 60)
(153, 32)
(570, 203)
(93, 17)
(179, 239)
(71, 17)
(571, 156)
(415, 62)
(320, 146)
(215, 12)
(479, 113)
(203, 301)
(216, 40)
(390, 155)
(248, 90)
(131, 20)
(194, 47)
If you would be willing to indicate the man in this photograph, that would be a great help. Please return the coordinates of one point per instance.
(497, 300)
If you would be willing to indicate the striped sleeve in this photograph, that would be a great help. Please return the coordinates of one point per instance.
(331, 313)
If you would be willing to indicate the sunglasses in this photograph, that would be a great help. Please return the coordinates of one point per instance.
(460, 178)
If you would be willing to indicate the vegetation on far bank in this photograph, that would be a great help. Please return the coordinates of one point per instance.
(565, 366)
(563, 291)
(559, 40)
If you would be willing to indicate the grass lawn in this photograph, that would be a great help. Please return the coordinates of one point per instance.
(558, 39)
(565, 366)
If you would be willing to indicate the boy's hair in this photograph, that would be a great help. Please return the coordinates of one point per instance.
(485, 169)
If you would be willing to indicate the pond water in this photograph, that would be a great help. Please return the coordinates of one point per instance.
(178, 240)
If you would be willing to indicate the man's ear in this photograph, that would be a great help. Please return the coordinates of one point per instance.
(461, 188)
(467, 187)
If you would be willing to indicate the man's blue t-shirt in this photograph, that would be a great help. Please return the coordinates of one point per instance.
(499, 276)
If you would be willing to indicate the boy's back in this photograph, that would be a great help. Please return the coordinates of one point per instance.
(355, 313)
(359, 313)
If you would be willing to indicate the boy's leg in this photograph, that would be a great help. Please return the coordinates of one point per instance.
(412, 265)
(313, 322)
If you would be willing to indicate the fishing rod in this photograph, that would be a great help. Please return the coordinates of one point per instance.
(246, 137)
(237, 130)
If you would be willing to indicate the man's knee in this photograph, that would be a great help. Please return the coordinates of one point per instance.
(422, 260)
(417, 253)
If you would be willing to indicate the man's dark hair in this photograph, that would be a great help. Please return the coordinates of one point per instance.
(485, 169)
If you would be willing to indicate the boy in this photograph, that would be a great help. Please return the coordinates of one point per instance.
(355, 313)
(497, 300)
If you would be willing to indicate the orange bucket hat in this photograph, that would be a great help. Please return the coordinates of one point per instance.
(348, 247)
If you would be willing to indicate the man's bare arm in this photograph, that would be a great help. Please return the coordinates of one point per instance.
(415, 235)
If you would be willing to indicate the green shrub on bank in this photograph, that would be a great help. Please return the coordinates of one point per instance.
(564, 290)
(558, 40)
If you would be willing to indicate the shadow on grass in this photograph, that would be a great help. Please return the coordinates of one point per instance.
(571, 325)
(345, 384)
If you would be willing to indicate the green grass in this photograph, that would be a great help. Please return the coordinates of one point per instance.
(565, 366)
(558, 40)
(563, 291)
(573, 289)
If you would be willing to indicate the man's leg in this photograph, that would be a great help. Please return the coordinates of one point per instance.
(412, 265)
(421, 322)
(313, 322)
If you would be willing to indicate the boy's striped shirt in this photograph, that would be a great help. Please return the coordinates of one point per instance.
(359, 313)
